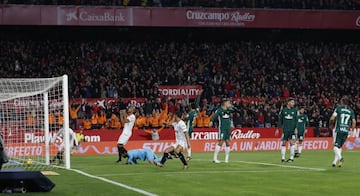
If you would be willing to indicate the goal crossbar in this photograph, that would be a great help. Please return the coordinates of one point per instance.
(38, 86)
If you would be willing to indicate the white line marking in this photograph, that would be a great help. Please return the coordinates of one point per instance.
(114, 183)
(300, 168)
(272, 164)
(200, 172)
(286, 166)
(293, 169)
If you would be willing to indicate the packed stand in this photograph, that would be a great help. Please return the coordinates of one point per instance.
(277, 4)
(315, 73)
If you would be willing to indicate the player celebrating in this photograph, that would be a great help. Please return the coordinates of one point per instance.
(190, 119)
(181, 141)
(343, 122)
(288, 121)
(302, 125)
(127, 131)
(223, 113)
(155, 133)
(72, 140)
(139, 154)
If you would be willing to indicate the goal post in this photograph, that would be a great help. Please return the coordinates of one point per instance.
(32, 111)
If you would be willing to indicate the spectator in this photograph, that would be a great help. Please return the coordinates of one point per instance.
(114, 122)
(237, 120)
(52, 120)
(250, 69)
(73, 113)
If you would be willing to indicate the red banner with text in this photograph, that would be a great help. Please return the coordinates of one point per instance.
(16, 149)
(37, 136)
(166, 91)
(177, 17)
(179, 92)
(238, 145)
(199, 134)
(103, 102)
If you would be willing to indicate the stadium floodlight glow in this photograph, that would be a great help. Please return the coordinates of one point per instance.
(32, 111)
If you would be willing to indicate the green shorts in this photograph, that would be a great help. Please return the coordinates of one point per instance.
(300, 136)
(288, 135)
(224, 134)
(340, 138)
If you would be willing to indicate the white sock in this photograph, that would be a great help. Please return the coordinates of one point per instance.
(292, 151)
(300, 148)
(227, 153)
(189, 152)
(283, 151)
(216, 152)
(340, 149)
(337, 155)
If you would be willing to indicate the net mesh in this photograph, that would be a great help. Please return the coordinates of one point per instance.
(31, 112)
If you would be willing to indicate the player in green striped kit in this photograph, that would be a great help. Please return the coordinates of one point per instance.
(223, 113)
(288, 122)
(302, 125)
(190, 119)
(343, 121)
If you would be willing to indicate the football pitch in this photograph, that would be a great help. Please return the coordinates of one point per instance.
(247, 173)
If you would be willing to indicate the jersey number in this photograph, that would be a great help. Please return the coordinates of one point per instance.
(344, 119)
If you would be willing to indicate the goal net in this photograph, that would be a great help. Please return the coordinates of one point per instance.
(32, 111)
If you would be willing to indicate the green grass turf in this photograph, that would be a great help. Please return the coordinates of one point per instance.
(247, 173)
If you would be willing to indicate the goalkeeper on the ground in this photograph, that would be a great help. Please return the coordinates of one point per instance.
(145, 154)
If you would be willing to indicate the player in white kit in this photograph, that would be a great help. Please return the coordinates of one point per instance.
(181, 141)
(72, 140)
(127, 131)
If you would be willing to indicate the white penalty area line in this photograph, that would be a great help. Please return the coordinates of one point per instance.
(199, 172)
(114, 183)
(285, 165)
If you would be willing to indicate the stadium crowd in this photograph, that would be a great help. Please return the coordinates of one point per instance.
(315, 73)
(282, 4)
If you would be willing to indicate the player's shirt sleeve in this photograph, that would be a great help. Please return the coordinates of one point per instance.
(187, 117)
(306, 121)
(131, 118)
(183, 127)
(197, 101)
(280, 120)
(335, 113)
(296, 119)
(233, 109)
(352, 115)
(216, 114)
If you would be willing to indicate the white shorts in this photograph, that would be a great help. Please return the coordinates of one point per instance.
(123, 139)
(181, 143)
